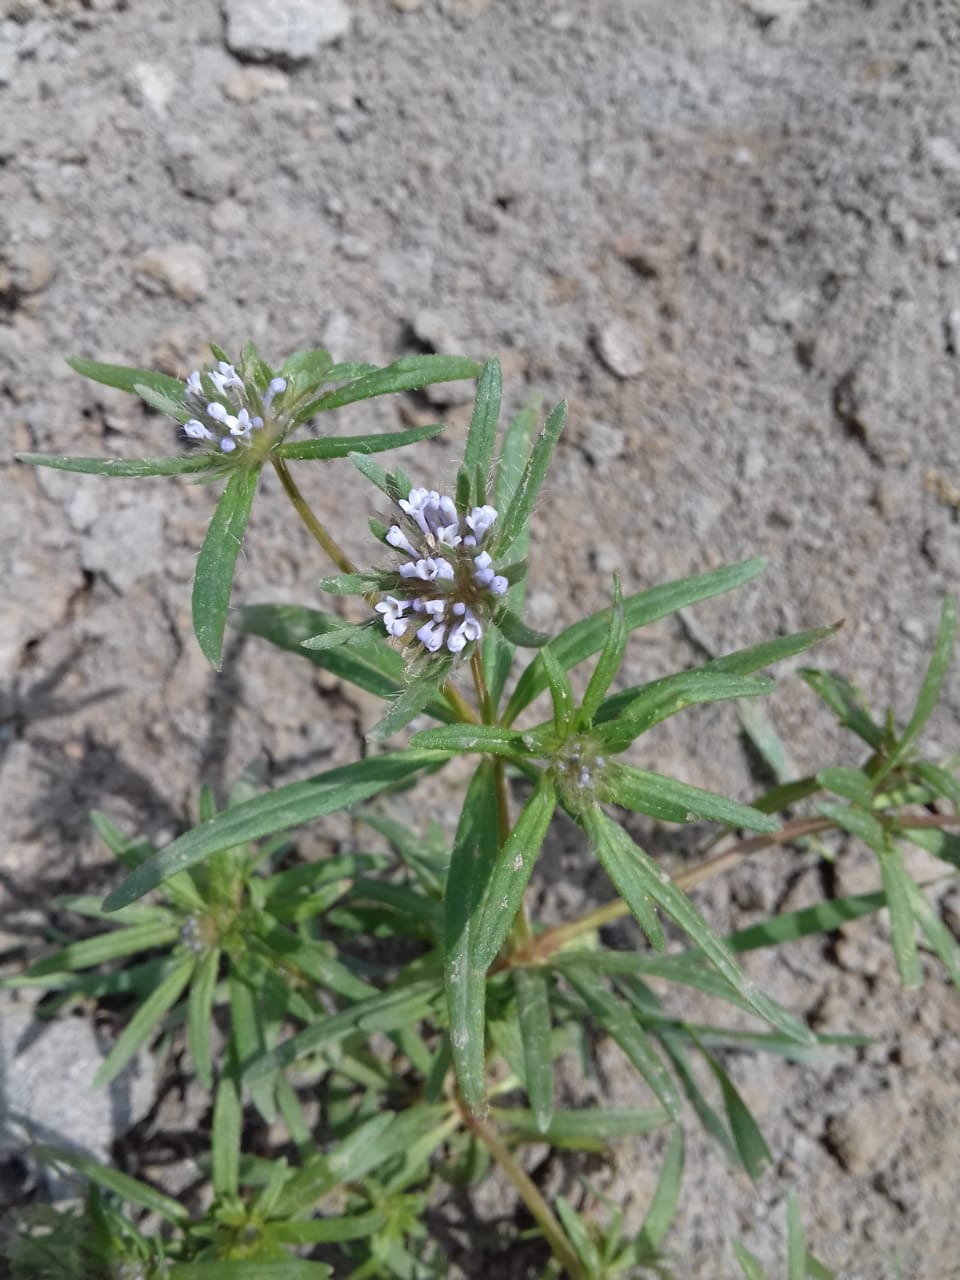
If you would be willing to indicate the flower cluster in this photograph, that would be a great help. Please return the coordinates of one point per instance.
(451, 578)
(233, 417)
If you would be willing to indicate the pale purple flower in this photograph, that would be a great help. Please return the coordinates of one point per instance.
(393, 620)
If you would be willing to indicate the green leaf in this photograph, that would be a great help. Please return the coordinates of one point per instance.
(823, 918)
(932, 685)
(227, 1132)
(514, 453)
(352, 584)
(511, 872)
(616, 1018)
(125, 378)
(518, 514)
(144, 1022)
(749, 1264)
(278, 810)
(673, 801)
(533, 1013)
(458, 738)
(478, 455)
(897, 886)
(408, 374)
(342, 446)
(663, 1206)
(306, 369)
(579, 1236)
(587, 636)
(516, 631)
(635, 874)
(358, 1226)
(217, 560)
(398, 1007)
(124, 466)
(585, 1130)
(708, 1117)
(858, 823)
(419, 693)
(846, 703)
(941, 844)
(751, 1146)
(939, 780)
(621, 721)
(173, 406)
(561, 693)
(259, 1269)
(200, 1015)
(471, 864)
(796, 1245)
(121, 1184)
(248, 1008)
(852, 784)
(610, 659)
(107, 946)
(940, 938)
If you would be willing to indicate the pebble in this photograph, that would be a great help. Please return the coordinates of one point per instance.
(285, 31)
(200, 171)
(952, 327)
(228, 217)
(27, 267)
(246, 84)
(620, 348)
(407, 6)
(180, 269)
(944, 154)
(47, 1069)
(151, 85)
(866, 1133)
(774, 10)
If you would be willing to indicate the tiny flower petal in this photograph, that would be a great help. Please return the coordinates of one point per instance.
(227, 444)
(196, 430)
(498, 585)
(194, 387)
(431, 636)
(216, 411)
(397, 538)
(480, 519)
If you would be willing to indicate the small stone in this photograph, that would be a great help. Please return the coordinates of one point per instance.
(354, 248)
(952, 327)
(246, 84)
(620, 348)
(228, 217)
(863, 1137)
(767, 11)
(200, 171)
(31, 267)
(943, 154)
(949, 256)
(150, 85)
(180, 269)
(637, 253)
(407, 6)
(285, 31)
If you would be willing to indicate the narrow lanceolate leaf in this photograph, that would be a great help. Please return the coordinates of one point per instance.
(533, 1013)
(516, 631)
(932, 685)
(587, 636)
(200, 1014)
(408, 374)
(663, 1206)
(611, 656)
(617, 1019)
(846, 703)
(471, 864)
(750, 1264)
(672, 801)
(511, 872)
(260, 1269)
(173, 406)
(342, 446)
(227, 1131)
(579, 1235)
(940, 938)
(620, 722)
(897, 886)
(217, 560)
(852, 784)
(126, 379)
(458, 738)
(751, 1145)
(418, 694)
(279, 810)
(144, 1022)
(127, 1188)
(478, 455)
(518, 514)
(561, 693)
(124, 466)
(941, 781)
(586, 1130)
(635, 874)
(107, 946)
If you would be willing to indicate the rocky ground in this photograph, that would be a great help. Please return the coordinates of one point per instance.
(728, 232)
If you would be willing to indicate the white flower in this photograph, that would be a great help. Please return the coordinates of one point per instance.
(397, 538)
(480, 519)
(277, 385)
(196, 430)
(428, 570)
(465, 631)
(393, 620)
(194, 387)
(224, 377)
(430, 636)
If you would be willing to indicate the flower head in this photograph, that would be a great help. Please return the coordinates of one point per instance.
(449, 582)
(234, 411)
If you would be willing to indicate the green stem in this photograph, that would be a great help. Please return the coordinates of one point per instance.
(302, 508)
(529, 1193)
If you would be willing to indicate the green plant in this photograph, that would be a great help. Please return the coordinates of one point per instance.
(410, 991)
